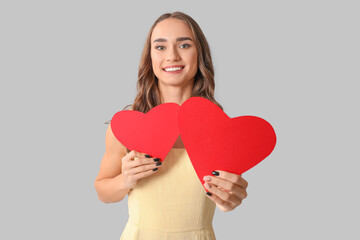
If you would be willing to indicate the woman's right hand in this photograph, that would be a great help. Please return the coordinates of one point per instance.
(136, 165)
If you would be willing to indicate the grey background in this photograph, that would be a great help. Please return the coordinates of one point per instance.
(68, 66)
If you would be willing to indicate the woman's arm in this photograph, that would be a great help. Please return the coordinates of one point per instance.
(109, 183)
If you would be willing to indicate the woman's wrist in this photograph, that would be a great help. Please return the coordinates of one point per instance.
(120, 185)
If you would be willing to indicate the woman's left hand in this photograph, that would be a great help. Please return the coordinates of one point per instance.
(227, 189)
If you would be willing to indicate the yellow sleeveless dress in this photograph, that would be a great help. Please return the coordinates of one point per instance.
(171, 204)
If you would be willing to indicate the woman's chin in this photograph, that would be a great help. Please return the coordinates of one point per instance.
(174, 81)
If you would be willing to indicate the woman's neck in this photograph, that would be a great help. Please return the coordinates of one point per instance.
(175, 94)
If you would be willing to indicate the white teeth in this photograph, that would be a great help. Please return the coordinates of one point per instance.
(173, 69)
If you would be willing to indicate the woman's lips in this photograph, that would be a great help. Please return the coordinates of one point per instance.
(176, 71)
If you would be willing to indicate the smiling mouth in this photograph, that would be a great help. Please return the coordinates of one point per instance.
(174, 69)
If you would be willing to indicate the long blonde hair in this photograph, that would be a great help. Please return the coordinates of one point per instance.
(148, 93)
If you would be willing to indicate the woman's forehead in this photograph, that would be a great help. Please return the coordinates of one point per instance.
(171, 29)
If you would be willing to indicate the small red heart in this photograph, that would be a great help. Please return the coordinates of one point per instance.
(215, 141)
(154, 132)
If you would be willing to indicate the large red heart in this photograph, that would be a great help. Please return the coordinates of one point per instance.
(154, 132)
(215, 141)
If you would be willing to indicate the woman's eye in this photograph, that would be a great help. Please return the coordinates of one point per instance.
(186, 45)
(181, 46)
(157, 47)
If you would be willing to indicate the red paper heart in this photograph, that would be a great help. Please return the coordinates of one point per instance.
(215, 141)
(153, 133)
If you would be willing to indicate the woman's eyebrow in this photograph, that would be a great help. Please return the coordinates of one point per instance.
(179, 39)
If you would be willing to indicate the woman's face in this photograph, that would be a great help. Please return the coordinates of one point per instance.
(173, 53)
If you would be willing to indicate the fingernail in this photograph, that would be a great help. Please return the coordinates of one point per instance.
(155, 169)
(157, 164)
(207, 178)
(215, 173)
(156, 159)
(147, 156)
(207, 185)
(209, 193)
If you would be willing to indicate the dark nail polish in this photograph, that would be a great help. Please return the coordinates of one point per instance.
(155, 169)
(157, 164)
(147, 156)
(156, 159)
(209, 193)
(215, 173)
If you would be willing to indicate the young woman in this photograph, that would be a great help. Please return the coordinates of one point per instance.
(167, 201)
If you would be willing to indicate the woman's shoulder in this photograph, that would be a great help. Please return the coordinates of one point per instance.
(112, 143)
(128, 107)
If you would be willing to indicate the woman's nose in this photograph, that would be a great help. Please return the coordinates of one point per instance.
(173, 54)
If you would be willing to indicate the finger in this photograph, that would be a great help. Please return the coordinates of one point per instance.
(142, 161)
(223, 184)
(143, 174)
(219, 201)
(143, 168)
(132, 155)
(243, 182)
(232, 177)
(225, 196)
